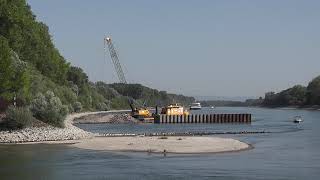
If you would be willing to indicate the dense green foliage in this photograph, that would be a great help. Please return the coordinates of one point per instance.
(77, 107)
(18, 118)
(34, 71)
(30, 39)
(48, 108)
(14, 77)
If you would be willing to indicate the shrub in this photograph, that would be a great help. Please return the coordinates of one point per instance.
(102, 107)
(65, 94)
(77, 106)
(49, 109)
(18, 117)
(70, 108)
(120, 102)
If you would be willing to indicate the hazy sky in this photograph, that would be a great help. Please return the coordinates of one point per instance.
(199, 47)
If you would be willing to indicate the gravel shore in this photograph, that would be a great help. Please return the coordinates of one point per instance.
(47, 133)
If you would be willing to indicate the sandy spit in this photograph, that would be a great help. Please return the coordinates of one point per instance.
(160, 145)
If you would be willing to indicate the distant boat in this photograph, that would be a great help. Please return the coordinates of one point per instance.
(195, 106)
(297, 119)
(212, 107)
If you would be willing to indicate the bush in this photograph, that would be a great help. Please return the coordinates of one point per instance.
(18, 117)
(77, 106)
(120, 102)
(49, 109)
(70, 108)
(102, 107)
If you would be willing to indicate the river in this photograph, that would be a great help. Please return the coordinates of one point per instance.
(289, 151)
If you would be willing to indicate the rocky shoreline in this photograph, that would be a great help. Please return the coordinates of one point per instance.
(48, 133)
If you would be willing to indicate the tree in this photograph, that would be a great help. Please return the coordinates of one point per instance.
(294, 96)
(6, 70)
(270, 98)
(313, 92)
(14, 74)
(77, 76)
(31, 40)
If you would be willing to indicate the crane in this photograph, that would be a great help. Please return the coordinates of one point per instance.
(115, 60)
(141, 113)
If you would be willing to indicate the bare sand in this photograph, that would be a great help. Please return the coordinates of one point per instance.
(159, 145)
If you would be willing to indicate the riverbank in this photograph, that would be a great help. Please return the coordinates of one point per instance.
(47, 133)
(50, 133)
(79, 138)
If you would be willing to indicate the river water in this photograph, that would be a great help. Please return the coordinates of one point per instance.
(290, 151)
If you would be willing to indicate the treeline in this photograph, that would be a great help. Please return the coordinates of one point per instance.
(229, 103)
(296, 96)
(148, 96)
(219, 103)
(34, 72)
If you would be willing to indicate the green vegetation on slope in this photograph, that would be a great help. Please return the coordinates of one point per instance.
(33, 70)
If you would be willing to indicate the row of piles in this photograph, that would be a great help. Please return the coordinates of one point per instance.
(204, 118)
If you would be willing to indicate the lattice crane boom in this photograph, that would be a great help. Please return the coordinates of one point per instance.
(115, 60)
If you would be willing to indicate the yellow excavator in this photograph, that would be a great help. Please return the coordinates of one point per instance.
(140, 113)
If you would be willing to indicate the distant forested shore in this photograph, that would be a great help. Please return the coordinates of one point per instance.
(298, 96)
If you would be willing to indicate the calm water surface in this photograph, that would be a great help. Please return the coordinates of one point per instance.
(291, 151)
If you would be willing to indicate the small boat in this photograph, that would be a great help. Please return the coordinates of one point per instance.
(212, 107)
(195, 106)
(297, 119)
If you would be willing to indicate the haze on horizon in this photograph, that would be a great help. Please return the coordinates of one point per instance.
(198, 48)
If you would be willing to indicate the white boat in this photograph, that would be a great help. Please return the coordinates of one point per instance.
(195, 106)
(297, 119)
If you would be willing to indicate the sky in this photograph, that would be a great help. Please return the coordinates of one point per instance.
(191, 47)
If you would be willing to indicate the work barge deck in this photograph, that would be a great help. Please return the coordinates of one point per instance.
(203, 118)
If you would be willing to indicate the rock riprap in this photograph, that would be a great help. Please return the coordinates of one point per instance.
(47, 133)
